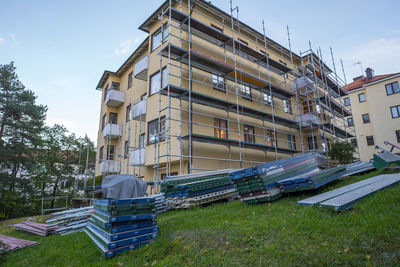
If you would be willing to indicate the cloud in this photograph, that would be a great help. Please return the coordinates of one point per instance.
(14, 39)
(127, 46)
(2, 40)
(383, 55)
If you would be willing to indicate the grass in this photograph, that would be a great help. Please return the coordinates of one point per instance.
(280, 233)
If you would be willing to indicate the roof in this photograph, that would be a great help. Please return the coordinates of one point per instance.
(364, 81)
(153, 17)
(135, 54)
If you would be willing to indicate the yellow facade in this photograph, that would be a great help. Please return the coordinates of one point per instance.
(382, 126)
(269, 133)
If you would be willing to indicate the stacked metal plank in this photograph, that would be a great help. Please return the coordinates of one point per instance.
(120, 225)
(70, 221)
(359, 167)
(160, 204)
(35, 228)
(260, 183)
(344, 197)
(189, 190)
(311, 180)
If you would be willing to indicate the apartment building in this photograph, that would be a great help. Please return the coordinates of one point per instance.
(205, 91)
(375, 101)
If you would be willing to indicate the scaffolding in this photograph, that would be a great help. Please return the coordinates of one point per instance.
(229, 79)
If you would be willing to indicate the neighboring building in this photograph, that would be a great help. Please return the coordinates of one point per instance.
(203, 97)
(375, 101)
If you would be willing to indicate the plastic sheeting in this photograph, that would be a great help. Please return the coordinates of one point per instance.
(123, 186)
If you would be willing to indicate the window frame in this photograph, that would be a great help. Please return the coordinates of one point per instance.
(163, 36)
(101, 153)
(218, 77)
(249, 133)
(103, 121)
(364, 120)
(106, 91)
(243, 92)
(392, 88)
(161, 73)
(268, 99)
(368, 139)
(314, 142)
(160, 128)
(130, 79)
(110, 117)
(126, 149)
(128, 112)
(142, 140)
(352, 122)
(397, 108)
(346, 99)
(291, 141)
(219, 130)
(110, 156)
(397, 134)
(359, 99)
(271, 138)
(287, 106)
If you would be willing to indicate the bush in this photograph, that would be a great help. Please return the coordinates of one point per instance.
(342, 152)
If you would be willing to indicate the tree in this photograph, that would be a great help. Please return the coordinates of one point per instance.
(21, 122)
(342, 152)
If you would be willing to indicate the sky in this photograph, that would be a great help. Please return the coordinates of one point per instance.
(61, 48)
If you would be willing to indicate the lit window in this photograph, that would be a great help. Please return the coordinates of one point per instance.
(220, 128)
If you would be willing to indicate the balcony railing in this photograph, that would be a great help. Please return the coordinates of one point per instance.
(308, 119)
(115, 98)
(139, 110)
(112, 131)
(110, 166)
(138, 157)
(141, 68)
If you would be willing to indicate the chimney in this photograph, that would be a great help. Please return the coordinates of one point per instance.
(370, 73)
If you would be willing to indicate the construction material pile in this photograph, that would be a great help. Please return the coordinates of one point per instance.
(385, 158)
(160, 204)
(120, 225)
(359, 167)
(70, 221)
(10, 244)
(187, 190)
(343, 198)
(36, 228)
(267, 182)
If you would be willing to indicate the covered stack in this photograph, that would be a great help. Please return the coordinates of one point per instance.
(183, 191)
(70, 221)
(120, 225)
(260, 183)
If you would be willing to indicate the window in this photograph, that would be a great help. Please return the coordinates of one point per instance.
(103, 122)
(156, 130)
(158, 81)
(105, 92)
(312, 143)
(350, 122)
(370, 140)
(287, 106)
(101, 152)
(158, 38)
(392, 88)
(164, 175)
(307, 107)
(216, 27)
(267, 99)
(246, 91)
(128, 113)
(218, 82)
(110, 152)
(354, 142)
(126, 149)
(271, 141)
(291, 141)
(130, 79)
(243, 41)
(220, 128)
(248, 133)
(395, 111)
(365, 118)
(142, 140)
(113, 118)
(361, 97)
(397, 133)
(347, 101)
(318, 108)
(114, 86)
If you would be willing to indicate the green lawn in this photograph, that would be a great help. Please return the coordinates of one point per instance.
(280, 233)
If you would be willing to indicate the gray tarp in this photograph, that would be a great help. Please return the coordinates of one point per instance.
(123, 186)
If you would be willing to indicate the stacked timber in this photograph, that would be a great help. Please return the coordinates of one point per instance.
(261, 183)
(188, 190)
(36, 228)
(70, 221)
(120, 225)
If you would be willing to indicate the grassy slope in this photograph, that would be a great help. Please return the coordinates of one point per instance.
(280, 233)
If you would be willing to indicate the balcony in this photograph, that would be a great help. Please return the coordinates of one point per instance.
(112, 131)
(139, 110)
(115, 98)
(141, 68)
(307, 119)
(110, 166)
(138, 157)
